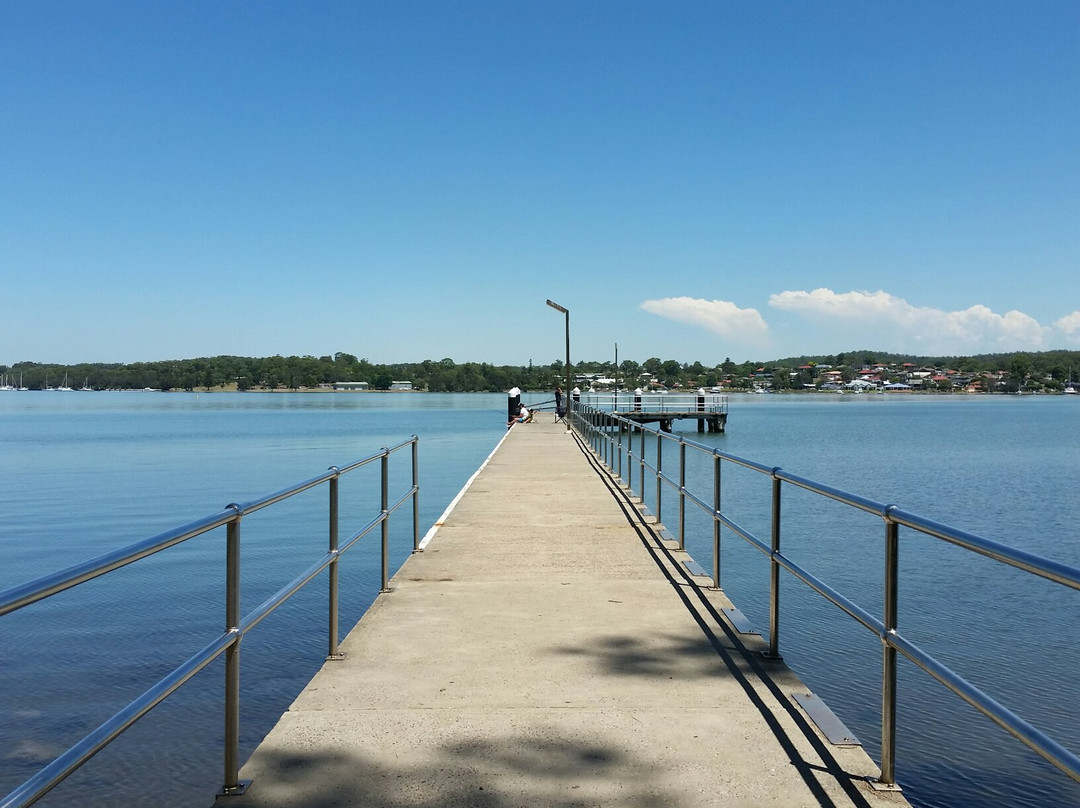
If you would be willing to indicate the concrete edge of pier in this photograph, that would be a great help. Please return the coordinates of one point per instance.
(551, 647)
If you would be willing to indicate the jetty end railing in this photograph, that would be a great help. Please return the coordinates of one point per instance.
(611, 438)
(228, 642)
(707, 403)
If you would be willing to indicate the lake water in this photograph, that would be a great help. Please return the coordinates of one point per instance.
(83, 473)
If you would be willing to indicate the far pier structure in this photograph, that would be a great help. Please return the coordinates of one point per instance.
(709, 409)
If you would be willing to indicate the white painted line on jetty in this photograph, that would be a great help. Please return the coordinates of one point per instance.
(453, 503)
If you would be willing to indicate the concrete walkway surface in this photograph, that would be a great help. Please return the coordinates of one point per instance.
(546, 649)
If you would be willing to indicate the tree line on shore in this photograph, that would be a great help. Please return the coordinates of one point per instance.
(1051, 369)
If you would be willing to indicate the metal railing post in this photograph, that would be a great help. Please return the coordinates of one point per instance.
(612, 423)
(332, 652)
(232, 657)
(716, 523)
(385, 520)
(415, 496)
(641, 461)
(659, 473)
(606, 438)
(629, 457)
(613, 442)
(774, 573)
(888, 672)
(618, 468)
(609, 443)
(682, 493)
(609, 454)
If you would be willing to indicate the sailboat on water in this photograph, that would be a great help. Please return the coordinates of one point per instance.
(64, 387)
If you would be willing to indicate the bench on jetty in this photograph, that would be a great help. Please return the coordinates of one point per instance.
(708, 409)
(549, 647)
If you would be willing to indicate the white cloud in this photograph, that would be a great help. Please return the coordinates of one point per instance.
(846, 304)
(821, 321)
(884, 316)
(718, 316)
(1069, 325)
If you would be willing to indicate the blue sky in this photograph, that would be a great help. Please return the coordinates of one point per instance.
(410, 180)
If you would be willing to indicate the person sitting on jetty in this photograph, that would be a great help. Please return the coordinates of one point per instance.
(524, 416)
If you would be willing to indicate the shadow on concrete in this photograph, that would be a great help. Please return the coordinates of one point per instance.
(658, 656)
(475, 772)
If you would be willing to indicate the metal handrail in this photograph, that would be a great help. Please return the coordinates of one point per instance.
(603, 431)
(623, 401)
(228, 642)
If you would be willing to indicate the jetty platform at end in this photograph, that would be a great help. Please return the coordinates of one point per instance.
(549, 648)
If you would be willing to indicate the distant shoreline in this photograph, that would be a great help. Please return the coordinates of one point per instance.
(321, 390)
(232, 388)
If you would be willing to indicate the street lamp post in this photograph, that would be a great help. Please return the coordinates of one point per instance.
(566, 393)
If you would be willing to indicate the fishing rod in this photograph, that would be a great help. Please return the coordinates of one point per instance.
(540, 406)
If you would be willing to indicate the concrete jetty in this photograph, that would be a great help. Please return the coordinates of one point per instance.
(549, 649)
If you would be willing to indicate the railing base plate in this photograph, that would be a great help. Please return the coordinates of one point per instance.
(695, 569)
(826, 720)
(235, 791)
(877, 785)
(739, 621)
(336, 657)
